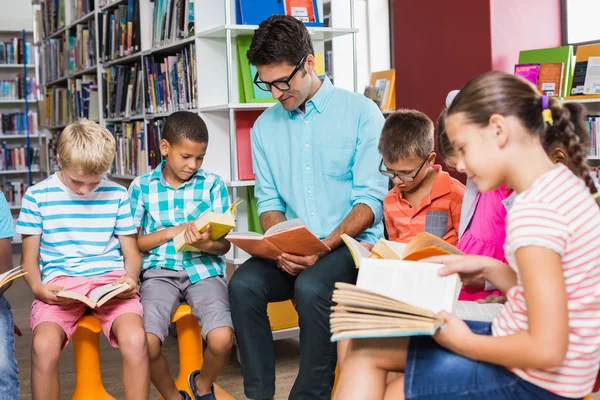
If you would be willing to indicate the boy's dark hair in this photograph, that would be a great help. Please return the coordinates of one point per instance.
(406, 134)
(280, 38)
(444, 147)
(185, 124)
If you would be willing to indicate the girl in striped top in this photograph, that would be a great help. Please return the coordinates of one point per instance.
(545, 344)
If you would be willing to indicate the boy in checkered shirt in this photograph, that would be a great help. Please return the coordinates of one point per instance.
(164, 202)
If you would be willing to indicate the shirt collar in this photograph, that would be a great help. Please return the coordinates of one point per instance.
(320, 99)
(157, 174)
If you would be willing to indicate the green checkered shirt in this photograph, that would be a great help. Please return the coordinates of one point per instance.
(156, 205)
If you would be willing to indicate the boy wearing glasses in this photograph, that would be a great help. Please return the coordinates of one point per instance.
(424, 198)
(315, 158)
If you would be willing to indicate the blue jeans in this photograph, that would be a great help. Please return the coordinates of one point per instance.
(433, 372)
(9, 378)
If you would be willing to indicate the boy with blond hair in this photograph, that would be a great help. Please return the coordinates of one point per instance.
(78, 235)
(424, 198)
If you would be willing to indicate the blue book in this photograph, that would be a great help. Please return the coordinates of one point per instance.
(253, 12)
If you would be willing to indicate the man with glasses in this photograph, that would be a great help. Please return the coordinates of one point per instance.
(315, 158)
(424, 198)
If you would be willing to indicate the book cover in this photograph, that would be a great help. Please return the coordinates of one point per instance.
(244, 121)
(529, 72)
(550, 80)
(563, 54)
(592, 76)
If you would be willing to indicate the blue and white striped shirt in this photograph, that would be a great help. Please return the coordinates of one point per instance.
(78, 232)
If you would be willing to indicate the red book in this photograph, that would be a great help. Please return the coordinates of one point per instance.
(244, 121)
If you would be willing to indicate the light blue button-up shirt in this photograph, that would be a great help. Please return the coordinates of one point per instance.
(318, 165)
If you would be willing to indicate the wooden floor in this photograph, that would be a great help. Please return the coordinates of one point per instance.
(287, 355)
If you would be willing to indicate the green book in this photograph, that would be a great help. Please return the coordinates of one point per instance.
(563, 54)
(247, 95)
(253, 219)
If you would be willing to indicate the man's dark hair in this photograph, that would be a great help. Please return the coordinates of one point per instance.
(280, 38)
(406, 134)
(185, 124)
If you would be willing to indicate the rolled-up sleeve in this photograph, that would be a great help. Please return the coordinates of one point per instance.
(369, 187)
(267, 196)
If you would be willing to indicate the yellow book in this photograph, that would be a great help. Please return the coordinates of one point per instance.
(11, 275)
(220, 225)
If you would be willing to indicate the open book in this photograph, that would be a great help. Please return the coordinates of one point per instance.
(96, 297)
(392, 298)
(422, 246)
(10, 275)
(285, 237)
(220, 225)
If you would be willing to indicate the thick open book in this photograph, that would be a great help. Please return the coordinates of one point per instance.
(392, 298)
(11, 274)
(220, 225)
(422, 246)
(290, 237)
(97, 297)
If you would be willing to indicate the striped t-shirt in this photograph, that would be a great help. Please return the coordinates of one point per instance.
(78, 232)
(557, 212)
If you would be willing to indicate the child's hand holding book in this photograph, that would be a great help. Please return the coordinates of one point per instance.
(200, 240)
(46, 292)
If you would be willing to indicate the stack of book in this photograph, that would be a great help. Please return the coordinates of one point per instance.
(119, 31)
(122, 88)
(173, 19)
(171, 81)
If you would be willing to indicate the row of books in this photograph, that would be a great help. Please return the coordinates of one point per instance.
(120, 31)
(17, 123)
(548, 77)
(172, 20)
(15, 158)
(15, 89)
(13, 192)
(382, 88)
(55, 109)
(81, 7)
(594, 127)
(154, 129)
(122, 88)
(253, 12)
(82, 47)
(131, 157)
(85, 98)
(52, 16)
(171, 81)
(56, 60)
(15, 51)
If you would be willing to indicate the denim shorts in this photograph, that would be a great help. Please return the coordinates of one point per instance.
(9, 374)
(432, 372)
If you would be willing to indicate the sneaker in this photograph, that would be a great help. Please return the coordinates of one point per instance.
(191, 382)
(185, 395)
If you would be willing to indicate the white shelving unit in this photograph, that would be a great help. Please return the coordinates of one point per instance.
(10, 72)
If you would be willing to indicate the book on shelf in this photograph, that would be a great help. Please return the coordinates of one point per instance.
(290, 237)
(171, 81)
(580, 74)
(16, 123)
(131, 156)
(563, 54)
(53, 16)
(422, 246)
(13, 191)
(594, 128)
(55, 109)
(84, 102)
(392, 298)
(122, 88)
(56, 59)
(119, 31)
(592, 76)
(253, 12)
(529, 72)
(303, 10)
(17, 158)
(82, 47)
(154, 129)
(15, 51)
(14, 89)
(11, 275)
(244, 121)
(97, 297)
(248, 91)
(220, 225)
(80, 8)
(382, 89)
(550, 78)
(172, 20)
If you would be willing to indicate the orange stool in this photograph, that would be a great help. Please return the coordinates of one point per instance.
(86, 347)
(588, 397)
(189, 341)
(337, 376)
(282, 315)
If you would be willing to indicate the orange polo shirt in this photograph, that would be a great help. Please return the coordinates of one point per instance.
(438, 213)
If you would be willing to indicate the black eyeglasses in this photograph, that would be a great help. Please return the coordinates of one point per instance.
(283, 85)
(402, 177)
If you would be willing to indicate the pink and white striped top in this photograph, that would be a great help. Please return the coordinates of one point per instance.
(558, 212)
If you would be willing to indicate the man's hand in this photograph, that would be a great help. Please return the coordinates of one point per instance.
(133, 287)
(199, 240)
(46, 292)
(454, 333)
(293, 265)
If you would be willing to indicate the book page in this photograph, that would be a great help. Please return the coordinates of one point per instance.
(11, 274)
(357, 250)
(96, 294)
(427, 245)
(416, 283)
(76, 296)
(284, 226)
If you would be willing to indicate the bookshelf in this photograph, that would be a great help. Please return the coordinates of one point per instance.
(20, 142)
(212, 60)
